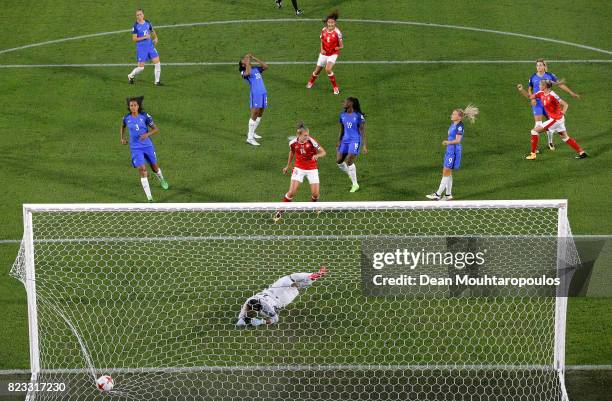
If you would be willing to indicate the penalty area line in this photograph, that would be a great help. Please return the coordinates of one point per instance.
(231, 63)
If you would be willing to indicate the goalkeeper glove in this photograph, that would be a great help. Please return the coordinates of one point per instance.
(322, 271)
(257, 322)
(240, 323)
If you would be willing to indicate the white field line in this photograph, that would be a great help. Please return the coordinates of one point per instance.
(299, 368)
(357, 62)
(294, 20)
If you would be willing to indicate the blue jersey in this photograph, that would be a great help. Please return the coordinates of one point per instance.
(255, 81)
(137, 126)
(351, 123)
(453, 131)
(534, 81)
(141, 30)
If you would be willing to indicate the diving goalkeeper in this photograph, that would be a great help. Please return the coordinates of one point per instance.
(263, 307)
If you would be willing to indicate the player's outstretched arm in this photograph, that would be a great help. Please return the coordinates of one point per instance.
(523, 92)
(563, 86)
(302, 280)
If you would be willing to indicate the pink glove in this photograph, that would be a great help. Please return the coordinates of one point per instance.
(322, 271)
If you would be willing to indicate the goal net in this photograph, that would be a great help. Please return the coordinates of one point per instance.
(150, 295)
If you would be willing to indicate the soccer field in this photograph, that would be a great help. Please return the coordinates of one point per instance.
(410, 64)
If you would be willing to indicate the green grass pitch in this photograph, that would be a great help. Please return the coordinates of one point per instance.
(59, 127)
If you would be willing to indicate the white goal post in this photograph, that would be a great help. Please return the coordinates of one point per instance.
(150, 293)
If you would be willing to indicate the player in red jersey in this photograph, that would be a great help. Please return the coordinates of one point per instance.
(331, 43)
(555, 108)
(306, 151)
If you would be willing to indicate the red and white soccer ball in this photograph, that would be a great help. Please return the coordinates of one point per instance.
(105, 383)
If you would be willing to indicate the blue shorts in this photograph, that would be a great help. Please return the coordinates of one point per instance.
(146, 53)
(259, 100)
(349, 147)
(538, 109)
(143, 155)
(452, 160)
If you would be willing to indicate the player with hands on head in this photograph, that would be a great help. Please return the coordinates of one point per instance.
(258, 96)
(263, 307)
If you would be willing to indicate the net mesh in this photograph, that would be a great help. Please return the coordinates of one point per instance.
(151, 298)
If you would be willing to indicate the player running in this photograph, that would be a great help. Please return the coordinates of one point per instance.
(263, 307)
(555, 109)
(141, 127)
(536, 105)
(352, 138)
(298, 12)
(142, 32)
(331, 44)
(452, 157)
(259, 96)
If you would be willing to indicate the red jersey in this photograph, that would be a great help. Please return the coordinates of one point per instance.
(329, 41)
(551, 104)
(304, 153)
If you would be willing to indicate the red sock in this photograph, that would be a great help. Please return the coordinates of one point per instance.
(571, 142)
(313, 199)
(534, 143)
(313, 78)
(287, 199)
(332, 79)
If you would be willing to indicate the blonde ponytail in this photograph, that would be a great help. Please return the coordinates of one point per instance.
(470, 112)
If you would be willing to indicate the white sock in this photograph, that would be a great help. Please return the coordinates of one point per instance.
(252, 125)
(352, 173)
(257, 121)
(157, 72)
(449, 186)
(550, 136)
(145, 185)
(136, 71)
(343, 167)
(159, 174)
(443, 184)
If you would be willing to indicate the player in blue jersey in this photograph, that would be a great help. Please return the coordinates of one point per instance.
(146, 38)
(452, 157)
(141, 127)
(352, 139)
(259, 97)
(536, 104)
